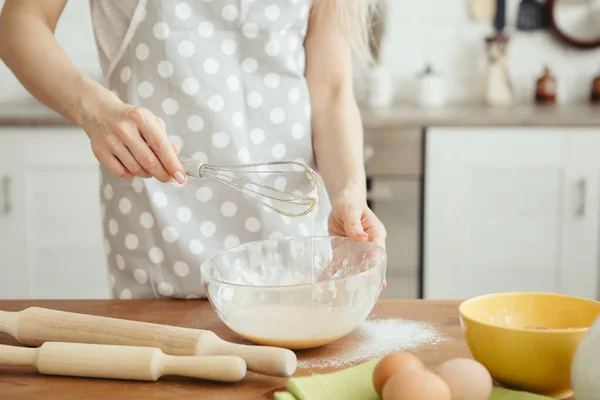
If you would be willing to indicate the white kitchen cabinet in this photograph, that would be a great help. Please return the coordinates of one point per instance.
(396, 201)
(511, 209)
(56, 250)
(13, 240)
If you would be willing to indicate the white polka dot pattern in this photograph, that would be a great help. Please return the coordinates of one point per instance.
(146, 220)
(196, 247)
(120, 262)
(229, 13)
(125, 74)
(228, 47)
(252, 224)
(208, 228)
(125, 205)
(186, 48)
(231, 241)
(131, 241)
(211, 66)
(181, 269)
(184, 214)
(190, 86)
(272, 12)
(254, 100)
(250, 30)
(160, 199)
(249, 65)
(165, 69)
(170, 234)
(204, 194)
(165, 289)
(206, 29)
(228, 209)
(140, 276)
(227, 78)
(233, 83)
(195, 123)
(161, 31)
(156, 255)
(183, 11)
(142, 52)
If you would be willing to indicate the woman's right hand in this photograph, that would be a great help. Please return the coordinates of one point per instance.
(131, 141)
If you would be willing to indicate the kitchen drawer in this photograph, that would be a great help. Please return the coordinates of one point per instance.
(393, 152)
(397, 203)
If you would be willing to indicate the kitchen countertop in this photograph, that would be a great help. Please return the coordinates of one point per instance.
(26, 383)
(34, 114)
(479, 115)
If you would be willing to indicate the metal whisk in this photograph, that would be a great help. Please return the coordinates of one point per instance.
(253, 181)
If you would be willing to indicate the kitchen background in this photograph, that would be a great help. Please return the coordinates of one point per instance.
(476, 197)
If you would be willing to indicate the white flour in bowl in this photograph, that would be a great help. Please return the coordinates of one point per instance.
(377, 338)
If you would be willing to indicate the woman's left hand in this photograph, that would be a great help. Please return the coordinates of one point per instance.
(352, 218)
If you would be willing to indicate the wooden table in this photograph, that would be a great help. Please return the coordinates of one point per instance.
(25, 383)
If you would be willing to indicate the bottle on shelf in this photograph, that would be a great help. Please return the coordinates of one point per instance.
(545, 88)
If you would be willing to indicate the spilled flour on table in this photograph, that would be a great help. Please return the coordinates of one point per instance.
(375, 338)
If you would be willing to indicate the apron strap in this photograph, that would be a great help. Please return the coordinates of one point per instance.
(138, 16)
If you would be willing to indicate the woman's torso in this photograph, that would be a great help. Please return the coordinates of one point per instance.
(227, 76)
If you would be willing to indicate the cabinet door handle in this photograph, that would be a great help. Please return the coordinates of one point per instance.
(582, 189)
(7, 206)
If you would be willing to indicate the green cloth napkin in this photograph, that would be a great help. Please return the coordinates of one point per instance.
(356, 384)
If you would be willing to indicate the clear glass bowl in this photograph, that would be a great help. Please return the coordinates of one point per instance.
(296, 293)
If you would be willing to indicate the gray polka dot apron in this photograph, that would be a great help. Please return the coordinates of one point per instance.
(227, 76)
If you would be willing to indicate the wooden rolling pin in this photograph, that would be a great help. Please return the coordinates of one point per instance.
(120, 362)
(34, 326)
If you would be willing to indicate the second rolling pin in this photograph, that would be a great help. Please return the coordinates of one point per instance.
(120, 362)
(34, 326)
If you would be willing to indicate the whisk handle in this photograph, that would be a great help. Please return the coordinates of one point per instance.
(191, 167)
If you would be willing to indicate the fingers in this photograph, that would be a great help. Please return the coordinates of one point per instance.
(353, 223)
(131, 141)
(126, 158)
(154, 134)
(113, 164)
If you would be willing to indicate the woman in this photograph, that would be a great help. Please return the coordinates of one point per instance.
(223, 81)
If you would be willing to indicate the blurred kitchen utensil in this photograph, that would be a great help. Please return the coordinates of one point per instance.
(120, 362)
(500, 18)
(498, 89)
(532, 15)
(545, 88)
(34, 326)
(379, 88)
(252, 181)
(595, 92)
(431, 88)
(576, 22)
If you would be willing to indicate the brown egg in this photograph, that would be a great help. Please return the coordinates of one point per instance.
(416, 384)
(466, 378)
(391, 364)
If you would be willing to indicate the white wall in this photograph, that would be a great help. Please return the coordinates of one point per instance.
(439, 31)
(74, 33)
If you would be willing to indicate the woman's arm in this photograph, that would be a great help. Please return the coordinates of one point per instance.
(127, 140)
(336, 122)
(28, 47)
(337, 129)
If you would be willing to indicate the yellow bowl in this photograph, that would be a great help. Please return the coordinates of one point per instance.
(527, 340)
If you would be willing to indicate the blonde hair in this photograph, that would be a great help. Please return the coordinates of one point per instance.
(354, 18)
